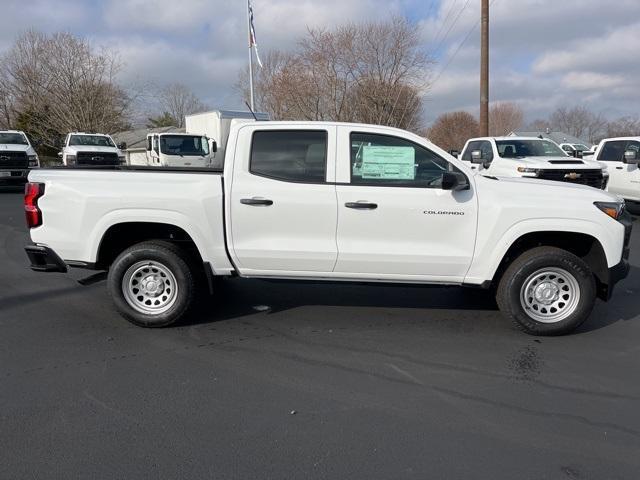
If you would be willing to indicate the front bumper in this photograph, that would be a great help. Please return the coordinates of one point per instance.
(621, 270)
(13, 176)
(44, 259)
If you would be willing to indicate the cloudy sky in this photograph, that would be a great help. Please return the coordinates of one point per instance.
(544, 53)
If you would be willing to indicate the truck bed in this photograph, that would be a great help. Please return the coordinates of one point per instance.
(81, 204)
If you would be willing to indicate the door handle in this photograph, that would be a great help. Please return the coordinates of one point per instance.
(619, 168)
(256, 202)
(361, 205)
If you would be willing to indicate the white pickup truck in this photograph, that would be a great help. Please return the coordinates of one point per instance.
(90, 149)
(331, 202)
(531, 157)
(17, 157)
(621, 155)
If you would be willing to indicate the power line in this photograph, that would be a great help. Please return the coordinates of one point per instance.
(455, 21)
(471, 30)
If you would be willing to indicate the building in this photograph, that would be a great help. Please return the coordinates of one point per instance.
(136, 140)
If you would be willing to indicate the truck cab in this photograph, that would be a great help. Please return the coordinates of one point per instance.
(180, 150)
(90, 149)
(17, 157)
(531, 157)
(621, 156)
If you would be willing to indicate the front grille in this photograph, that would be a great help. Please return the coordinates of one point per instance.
(593, 178)
(97, 158)
(14, 160)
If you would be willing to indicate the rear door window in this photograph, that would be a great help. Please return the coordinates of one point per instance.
(293, 155)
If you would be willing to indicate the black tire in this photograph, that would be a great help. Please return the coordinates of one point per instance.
(163, 255)
(521, 270)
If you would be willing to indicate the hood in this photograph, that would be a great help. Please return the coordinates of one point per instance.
(560, 163)
(14, 147)
(558, 190)
(90, 148)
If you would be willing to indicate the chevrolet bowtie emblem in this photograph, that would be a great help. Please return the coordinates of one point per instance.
(573, 176)
(96, 159)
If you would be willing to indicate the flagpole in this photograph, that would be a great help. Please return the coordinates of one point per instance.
(250, 58)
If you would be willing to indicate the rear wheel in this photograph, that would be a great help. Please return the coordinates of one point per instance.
(547, 291)
(152, 284)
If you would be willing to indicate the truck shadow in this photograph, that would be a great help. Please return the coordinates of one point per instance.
(239, 298)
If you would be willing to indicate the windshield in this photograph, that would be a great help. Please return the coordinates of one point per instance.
(91, 140)
(528, 148)
(184, 145)
(13, 139)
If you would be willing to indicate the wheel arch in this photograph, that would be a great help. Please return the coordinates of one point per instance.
(583, 245)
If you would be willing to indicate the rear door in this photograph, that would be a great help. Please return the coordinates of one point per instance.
(283, 203)
(395, 221)
(624, 179)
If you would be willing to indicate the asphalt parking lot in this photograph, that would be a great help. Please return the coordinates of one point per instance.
(308, 381)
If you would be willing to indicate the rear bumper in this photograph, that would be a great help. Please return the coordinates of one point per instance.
(44, 259)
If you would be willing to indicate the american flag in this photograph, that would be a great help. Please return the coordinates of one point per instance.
(252, 35)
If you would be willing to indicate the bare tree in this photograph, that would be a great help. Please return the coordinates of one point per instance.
(624, 127)
(178, 101)
(539, 125)
(59, 83)
(579, 122)
(504, 118)
(371, 72)
(450, 131)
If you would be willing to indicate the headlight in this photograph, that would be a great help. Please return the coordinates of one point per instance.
(535, 171)
(71, 159)
(613, 209)
(33, 160)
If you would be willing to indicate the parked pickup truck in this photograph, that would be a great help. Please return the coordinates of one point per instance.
(331, 202)
(621, 155)
(90, 149)
(531, 157)
(17, 157)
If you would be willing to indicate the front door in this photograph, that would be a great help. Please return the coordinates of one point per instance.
(283, 202)
(395, 221)
(624, 178)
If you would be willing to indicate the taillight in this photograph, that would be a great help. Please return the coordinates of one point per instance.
(32, 192)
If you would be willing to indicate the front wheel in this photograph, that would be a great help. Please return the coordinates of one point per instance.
(152, 284)
(547, 291)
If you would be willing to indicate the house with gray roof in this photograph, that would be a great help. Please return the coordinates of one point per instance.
(557, 137)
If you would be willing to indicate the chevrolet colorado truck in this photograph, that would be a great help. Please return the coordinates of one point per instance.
(17, 157)
(330, 202)
(532, 157)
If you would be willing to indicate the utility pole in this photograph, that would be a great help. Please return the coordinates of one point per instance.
(484, 70)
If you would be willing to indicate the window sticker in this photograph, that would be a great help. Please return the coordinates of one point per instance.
(388, 163)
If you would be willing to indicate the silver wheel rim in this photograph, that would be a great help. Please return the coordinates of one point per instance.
(150, 287)
(550, 295)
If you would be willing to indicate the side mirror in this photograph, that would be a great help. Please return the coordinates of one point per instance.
(148, 144)
(122, 146)
(454, 181)
(631, 157)
(213, 146)
(60, 154)
(454, 153)
(477, 157)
